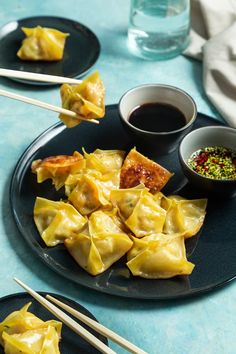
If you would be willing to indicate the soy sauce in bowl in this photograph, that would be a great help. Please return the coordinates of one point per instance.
(157, 117)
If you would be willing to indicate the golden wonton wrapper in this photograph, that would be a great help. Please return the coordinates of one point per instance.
(87, 196)
(58, 168)
(104, 160)
(23, 332)
(159, 256)
(42, 43)
(126, 199)
(113, 215)
(139, 210)
(184, 216)
(96, 249)
(147, 216)
(56, 221)
(86, 99)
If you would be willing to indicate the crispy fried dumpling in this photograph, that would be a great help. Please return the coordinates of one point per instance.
(139, 169)
(159, 256)
(42, 43)
(147, 216)
(96, 249)
(104, 160)
(86, 99)
(185, 216)
(56, 221)
(23, 332)
(58, 168)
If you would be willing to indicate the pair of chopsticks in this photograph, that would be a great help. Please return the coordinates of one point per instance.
(42, 78)
(77, 328)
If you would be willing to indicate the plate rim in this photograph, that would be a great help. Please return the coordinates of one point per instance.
(57, 128)
(88, 30)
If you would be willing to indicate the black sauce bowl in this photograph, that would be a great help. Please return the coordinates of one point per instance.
(202, 138)
(163, 142)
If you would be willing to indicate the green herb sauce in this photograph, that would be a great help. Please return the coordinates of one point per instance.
(215, 162)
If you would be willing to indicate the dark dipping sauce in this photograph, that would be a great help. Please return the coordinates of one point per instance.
(157, 117)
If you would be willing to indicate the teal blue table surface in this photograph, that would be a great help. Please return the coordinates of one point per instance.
(203, 324)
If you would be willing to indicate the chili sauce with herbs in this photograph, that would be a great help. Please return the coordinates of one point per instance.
(214, 162)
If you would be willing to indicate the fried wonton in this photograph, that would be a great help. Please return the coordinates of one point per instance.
(56, 221)
(87, 99)
(159, 256)
(87, 196)
(42, 43)
(126, 199)
(139, 210)
(183, 215)
(23, 332)
(113, 204)
(102, 244)
(104, 160)
(58, 168)
(139, 169)
(147, 216)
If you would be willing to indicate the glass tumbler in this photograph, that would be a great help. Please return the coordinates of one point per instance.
(158, 29)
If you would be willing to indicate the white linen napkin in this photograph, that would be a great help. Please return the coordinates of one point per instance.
(213, 40)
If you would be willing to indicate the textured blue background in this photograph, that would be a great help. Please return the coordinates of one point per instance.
(203, 324)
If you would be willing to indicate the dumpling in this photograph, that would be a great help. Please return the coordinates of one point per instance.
(108, 182)
(184, 216)
(139, 210)
(104, 160)
(139, 169)
(86, 99)
(56, 221)
(147, 216)
(87, 196)
(58, 168)
(126, 199)
(102, 244)
(159, 256)
(42, 43)
(37, 341)
(23, 332)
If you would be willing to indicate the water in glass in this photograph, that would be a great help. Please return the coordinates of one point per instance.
(158, 29)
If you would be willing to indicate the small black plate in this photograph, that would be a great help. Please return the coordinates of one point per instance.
(212, 250)
(82, 48)
(71, 343)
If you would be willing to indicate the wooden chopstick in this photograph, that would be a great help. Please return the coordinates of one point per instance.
(45, 105)
(77, 328)
(18, 74)
(98, 327)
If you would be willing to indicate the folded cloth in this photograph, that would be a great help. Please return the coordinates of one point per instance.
(213, 40)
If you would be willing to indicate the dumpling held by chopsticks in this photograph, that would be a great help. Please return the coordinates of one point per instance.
(86, 99)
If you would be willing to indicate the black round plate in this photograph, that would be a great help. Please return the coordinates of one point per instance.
(71, 343)
(82, 48)
(212, 250)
